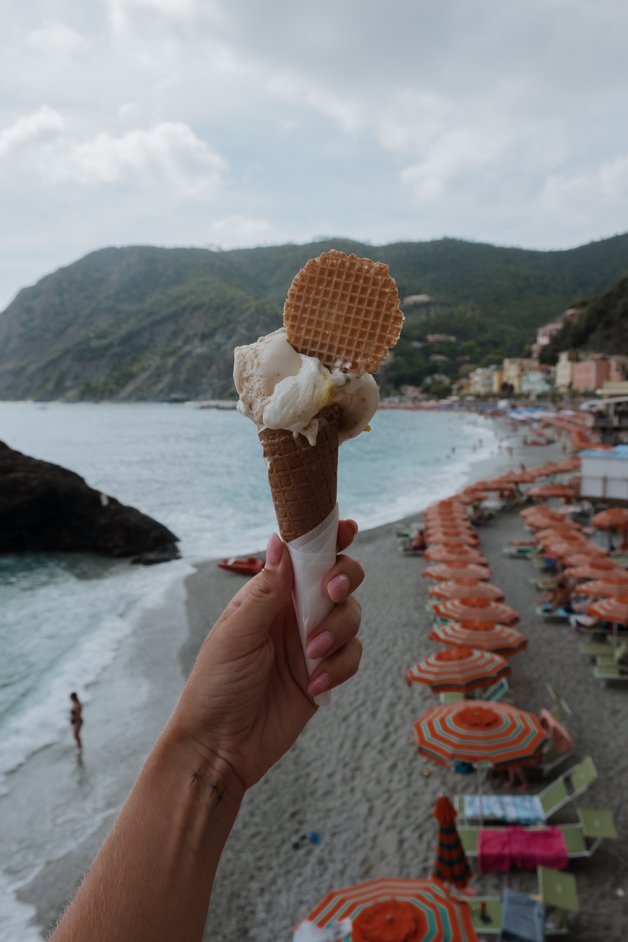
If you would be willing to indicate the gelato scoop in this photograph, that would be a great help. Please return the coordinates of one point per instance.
(282, 389)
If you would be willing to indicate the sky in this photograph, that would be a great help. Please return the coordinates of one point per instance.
(229, 123)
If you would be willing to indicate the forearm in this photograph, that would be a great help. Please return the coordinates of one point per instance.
(153, 876)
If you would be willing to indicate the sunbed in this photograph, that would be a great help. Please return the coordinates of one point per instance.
(557, 897)
(529, 809)
(557, 615)
(581, 838)
(613, 666)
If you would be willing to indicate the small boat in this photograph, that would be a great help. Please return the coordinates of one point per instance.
(246, 565)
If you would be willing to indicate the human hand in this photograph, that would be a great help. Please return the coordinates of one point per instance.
(248, 696)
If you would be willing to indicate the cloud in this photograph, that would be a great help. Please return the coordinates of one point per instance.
(581, 197)
(235, 229)
(56, 39)
(30, 132)
(169, 155)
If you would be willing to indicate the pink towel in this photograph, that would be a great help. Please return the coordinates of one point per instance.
(516, 848)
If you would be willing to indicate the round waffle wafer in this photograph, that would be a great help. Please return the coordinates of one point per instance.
(343, 310)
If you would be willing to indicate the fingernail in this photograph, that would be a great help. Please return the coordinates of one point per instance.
(320, 684)
(338, 587)
(320, 645)
(274, 552)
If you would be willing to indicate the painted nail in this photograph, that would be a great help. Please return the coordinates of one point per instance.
(274, 552)
(320, 684)
(320, 645)
(338, 587)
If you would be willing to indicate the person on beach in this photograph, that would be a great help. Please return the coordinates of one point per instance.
(246, 701)
(76, 718)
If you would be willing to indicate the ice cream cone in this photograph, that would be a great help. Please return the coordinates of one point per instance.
(303, 477)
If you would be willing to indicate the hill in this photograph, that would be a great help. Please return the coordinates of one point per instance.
(150, 323)
(601, 327)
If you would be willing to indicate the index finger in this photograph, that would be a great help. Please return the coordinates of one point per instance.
(347, 531)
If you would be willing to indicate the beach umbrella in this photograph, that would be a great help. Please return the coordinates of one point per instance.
(614, 518)
(460, 556)
(498, 638)
(450, 863)
(461, 669)
(397, 910)
(605, 586)
(468, 731)
(593, 567)
(466, 589)
(613, 609)
(547, 491)
(454, 546)
(443, 573)
(444, 537)
(477, 611)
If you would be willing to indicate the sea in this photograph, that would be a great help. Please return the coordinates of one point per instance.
(199, 471)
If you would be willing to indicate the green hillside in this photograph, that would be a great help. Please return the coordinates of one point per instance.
(601, 327)
(152, 323)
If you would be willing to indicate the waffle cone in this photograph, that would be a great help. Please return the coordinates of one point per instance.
(303, 477)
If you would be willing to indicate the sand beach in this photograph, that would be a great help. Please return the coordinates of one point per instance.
(354, 778)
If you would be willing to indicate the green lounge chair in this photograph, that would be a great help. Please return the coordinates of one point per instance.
(557, 891)
(558, 616)
(568, 786)
(581, 838)
(613, 666)
(496, 691)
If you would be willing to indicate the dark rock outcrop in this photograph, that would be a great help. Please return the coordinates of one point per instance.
(44, 507)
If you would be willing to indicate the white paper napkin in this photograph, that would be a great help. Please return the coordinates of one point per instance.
(313, 555)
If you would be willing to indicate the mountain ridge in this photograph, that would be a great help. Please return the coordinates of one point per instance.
(144, 322)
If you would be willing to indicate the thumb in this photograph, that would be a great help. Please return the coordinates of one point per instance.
(254, 608)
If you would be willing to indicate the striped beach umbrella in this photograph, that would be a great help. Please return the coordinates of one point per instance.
(439, 535)
(547, 491)
(479, 611)
(592, 567)
(615, 518)
(603, 588)
(614, 609)
(450, 863)
(498, 638)
(443, 573)
(454, 556)
(397, 910)
(466, 589)
(462, 669)
(468, 731)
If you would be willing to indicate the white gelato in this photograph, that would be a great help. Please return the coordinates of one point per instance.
(282, 389)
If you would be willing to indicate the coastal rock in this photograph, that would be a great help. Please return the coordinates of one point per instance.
(44, 507)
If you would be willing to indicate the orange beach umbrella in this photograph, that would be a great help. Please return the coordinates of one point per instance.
(397, 910)
(468, 731)
(440, 554)
(477, 611)
(450, 863)
(498, 638)
(611, 519)
(443, 573)
(546, 491)
(613, 609)
(595, 567)
(466, 589)
(462, 669)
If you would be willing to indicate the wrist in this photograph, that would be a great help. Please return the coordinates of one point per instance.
(204, 767)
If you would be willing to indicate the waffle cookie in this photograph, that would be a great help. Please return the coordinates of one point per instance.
(345, 311)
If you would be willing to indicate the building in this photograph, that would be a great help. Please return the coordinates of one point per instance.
(544, 335)
(588, 375)
(564, 370)
(498, 380)
(610, 418)
(514, 370)
(481, 380)
(538, 382)
(604, 474)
